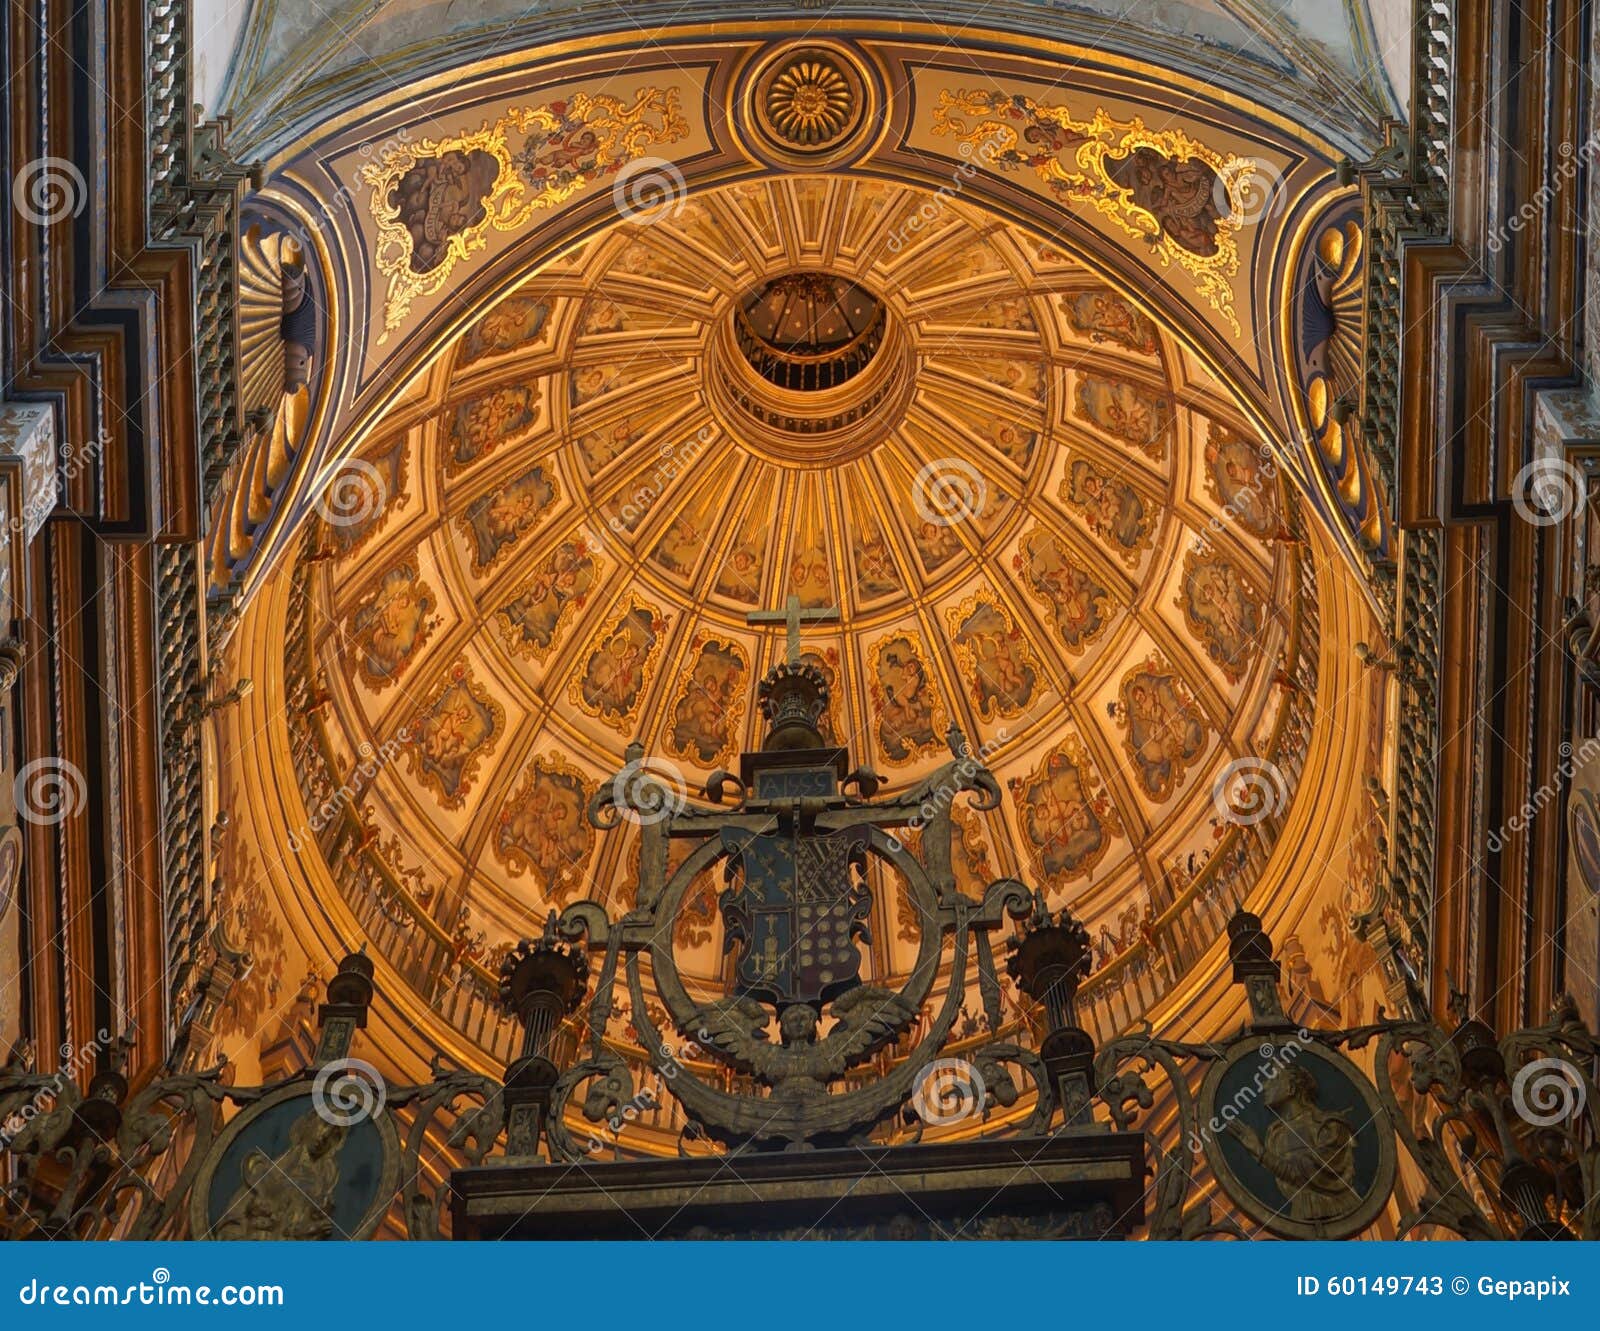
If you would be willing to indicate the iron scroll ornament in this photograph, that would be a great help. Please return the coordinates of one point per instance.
(798, 1110)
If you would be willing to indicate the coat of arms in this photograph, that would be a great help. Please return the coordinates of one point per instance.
(794, 906)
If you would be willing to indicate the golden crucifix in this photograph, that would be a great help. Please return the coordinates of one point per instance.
(791, 617)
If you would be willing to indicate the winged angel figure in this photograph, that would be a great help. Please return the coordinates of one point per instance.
(800, 1067)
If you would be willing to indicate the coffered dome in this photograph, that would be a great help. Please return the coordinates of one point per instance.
(1044, 525)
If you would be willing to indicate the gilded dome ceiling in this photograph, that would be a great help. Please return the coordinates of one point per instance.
(1027, 513)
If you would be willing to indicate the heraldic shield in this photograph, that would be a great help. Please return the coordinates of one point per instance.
(794, 907)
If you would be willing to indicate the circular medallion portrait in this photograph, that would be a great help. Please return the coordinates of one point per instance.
(299, 1165)
(1297, 1138)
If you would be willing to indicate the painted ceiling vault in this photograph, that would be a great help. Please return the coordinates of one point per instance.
(1027, 513)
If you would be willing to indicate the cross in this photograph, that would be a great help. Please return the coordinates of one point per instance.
(791, 617)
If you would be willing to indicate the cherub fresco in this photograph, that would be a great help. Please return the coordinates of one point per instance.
(1114, 511)
(494, 521)
(739, 576)
(588, 382)
(680, 545)
(809, 576)
(1066, 814)
(598, 447)
(389, 461)
(876, 574)
(390, 624)
(1164, 730)
(1079, 606)
(1242, 478)
(483, 423)
(619, 666)
(515, 322)
(904, 700)
(1026, 377)
(937, 543)
(1106, 316)
(440, 198)
(706, 717)
(450, 734)
(1181, 194)
(554, 158)
(543, 828)
(1000, 675)
(1222, 610)
(1128, 411)
(1011, 439)
(560, 584)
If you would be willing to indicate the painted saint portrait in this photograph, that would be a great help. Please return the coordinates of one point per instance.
(1119, 515)
(1164, 732)
(1080, 607)
(1067, 816)
(1105, 316)
(1222, 610)
(494, 521)
(390, 624)
(543, 830)
(1181, 194)
(532, 619)
(903, 696)
(706, 717)
(482, 424)
(451, 734)
(1243, 479)
(516, 322)
(1128, 411)
(619, 666)
(999, 673)
(440, 198)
